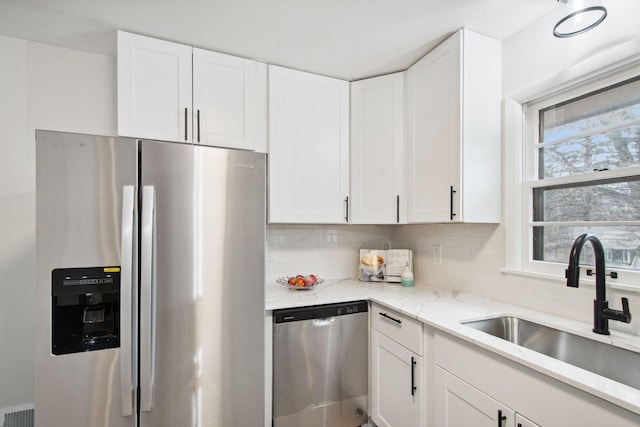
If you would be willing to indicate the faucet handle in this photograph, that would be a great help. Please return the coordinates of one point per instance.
(625, 310)
(591, 272)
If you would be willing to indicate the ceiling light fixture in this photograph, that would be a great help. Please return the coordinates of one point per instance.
(581, 20)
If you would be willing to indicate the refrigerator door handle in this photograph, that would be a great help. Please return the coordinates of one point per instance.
(127, 381)
(147, 299)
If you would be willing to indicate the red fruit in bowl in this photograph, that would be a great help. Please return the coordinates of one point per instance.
(300, 276)
(310, 280)
(291, 281)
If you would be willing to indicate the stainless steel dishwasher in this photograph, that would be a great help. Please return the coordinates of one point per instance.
(320, 366)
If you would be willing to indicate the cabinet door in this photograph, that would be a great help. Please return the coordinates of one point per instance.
(308, 147)
(224, 100)
(154, 88)
(433, 134)
(397, 391)
(524, 422)
(458, 404)
(481, 158)
(377, 172)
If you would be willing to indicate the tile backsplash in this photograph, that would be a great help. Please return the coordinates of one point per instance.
(330, 251)
(445, 255)
(333, 250)
(470, 260)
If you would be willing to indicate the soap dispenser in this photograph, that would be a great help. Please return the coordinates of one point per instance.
(406, 278)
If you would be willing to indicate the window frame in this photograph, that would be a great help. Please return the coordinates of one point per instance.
(529, 176)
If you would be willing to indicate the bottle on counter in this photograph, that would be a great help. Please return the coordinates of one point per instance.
(406, 278)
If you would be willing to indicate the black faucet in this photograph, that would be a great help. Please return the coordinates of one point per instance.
(601, 311)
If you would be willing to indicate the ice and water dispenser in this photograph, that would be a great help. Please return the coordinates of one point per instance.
(85, 309)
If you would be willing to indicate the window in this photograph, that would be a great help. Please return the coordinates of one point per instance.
(583, 175)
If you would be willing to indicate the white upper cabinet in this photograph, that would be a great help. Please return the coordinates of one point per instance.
(377, 139)
(308, 148)
(154, 88)
(224, 100)
(453, 129)
(156, 80)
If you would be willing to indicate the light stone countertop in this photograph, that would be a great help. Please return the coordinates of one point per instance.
(444, 310)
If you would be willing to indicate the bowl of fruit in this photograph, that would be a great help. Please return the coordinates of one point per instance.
(300, 282)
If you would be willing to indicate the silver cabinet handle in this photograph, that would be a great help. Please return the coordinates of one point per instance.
(147, 309)
(127, 356)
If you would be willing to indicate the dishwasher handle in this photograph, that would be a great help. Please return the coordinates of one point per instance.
(323, 322)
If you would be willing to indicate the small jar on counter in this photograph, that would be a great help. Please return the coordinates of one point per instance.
(406, 278)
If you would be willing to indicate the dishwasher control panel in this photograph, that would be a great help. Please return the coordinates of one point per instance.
(319, 311)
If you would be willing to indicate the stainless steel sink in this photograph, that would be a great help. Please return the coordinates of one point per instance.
(603, 359)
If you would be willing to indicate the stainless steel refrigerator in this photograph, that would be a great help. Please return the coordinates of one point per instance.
(150, 271)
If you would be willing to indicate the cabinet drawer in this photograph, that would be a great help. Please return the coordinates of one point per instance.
(400, 328)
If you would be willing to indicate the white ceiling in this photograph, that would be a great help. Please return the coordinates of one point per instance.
(348, 39)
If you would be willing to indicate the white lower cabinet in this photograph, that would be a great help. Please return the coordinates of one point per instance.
(461, 404)
(475, 387)
(398, 393)
(523, 422)
(397, 370)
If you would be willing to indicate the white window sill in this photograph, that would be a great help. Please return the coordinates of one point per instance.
(589, 282)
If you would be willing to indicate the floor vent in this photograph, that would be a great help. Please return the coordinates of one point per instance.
(22, 418)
